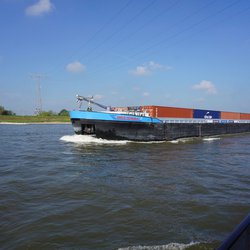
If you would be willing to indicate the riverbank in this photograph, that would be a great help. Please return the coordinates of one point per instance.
(29, 123)
(5, 119)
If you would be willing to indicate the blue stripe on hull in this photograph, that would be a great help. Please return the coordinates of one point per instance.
(103, 116)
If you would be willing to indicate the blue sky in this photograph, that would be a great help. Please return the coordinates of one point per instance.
(182, 53)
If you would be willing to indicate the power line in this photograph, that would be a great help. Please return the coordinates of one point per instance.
(187, 29)
(176, 24)
(117, 14)
(214, 24)
(147, 50)
(124, 39)
(118, 30)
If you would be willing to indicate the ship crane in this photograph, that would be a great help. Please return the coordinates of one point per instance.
(90, 101)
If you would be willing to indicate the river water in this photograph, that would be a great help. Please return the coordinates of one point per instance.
(63, 191)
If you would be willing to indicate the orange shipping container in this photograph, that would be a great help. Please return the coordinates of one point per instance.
(244, 116)
(172, 112)
(149, 109)
(120, 109)
(230, 115)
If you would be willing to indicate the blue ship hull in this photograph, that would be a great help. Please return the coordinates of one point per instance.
(110, 125)
(117, 126)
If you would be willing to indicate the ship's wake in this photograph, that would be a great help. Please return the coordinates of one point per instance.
(210, 139)
(183, 140)
(170, 246)
(89, 139)
(194, 139)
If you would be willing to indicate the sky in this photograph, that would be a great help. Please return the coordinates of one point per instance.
(179, 53)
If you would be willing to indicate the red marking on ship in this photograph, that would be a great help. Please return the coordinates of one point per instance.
(127, 118)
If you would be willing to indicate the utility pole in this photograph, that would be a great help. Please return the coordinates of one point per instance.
(38, 78)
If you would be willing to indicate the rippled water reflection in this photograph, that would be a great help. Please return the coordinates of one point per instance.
(61, 191)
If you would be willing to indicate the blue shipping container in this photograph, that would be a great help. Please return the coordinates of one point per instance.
(206, 114)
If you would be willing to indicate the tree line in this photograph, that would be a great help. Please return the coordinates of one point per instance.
(4, 111)
(63, 112)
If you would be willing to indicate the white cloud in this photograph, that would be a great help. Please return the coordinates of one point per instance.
(157, 66)
(145, 94)
(40, 8)
(75, 67)
(148, 69)
(98, 97)
(140, 71)
(207, 86)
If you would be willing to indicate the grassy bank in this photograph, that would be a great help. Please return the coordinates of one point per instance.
(34, 119)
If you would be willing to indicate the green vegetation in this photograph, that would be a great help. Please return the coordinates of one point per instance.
(64, 112)
(45, 116)
(33, 119)
(3, 111)
(47, 113)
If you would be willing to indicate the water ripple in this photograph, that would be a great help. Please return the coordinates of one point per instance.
(61, 191)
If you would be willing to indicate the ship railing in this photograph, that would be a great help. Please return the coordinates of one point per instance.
(137, 113)
(169, 120)
(199, 121)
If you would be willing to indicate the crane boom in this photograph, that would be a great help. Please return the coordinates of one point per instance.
(90, 101)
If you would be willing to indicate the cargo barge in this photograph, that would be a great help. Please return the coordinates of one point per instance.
(155, 123)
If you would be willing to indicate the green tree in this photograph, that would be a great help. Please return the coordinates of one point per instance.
(64, 112)
(47, 113)
(3, 111)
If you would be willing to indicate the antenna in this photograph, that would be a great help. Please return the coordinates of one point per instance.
(38, 78)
